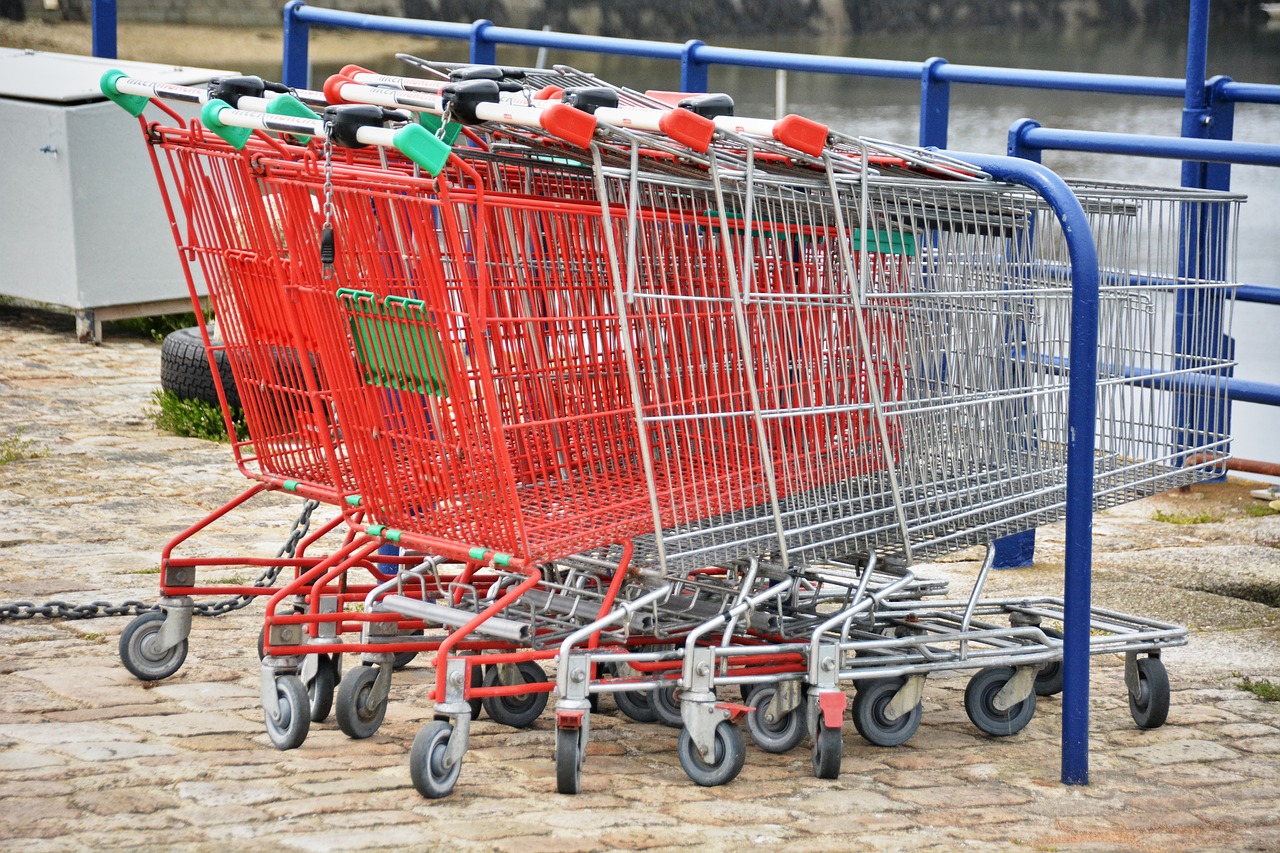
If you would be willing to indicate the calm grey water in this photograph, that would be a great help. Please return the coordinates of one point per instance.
(981, 116)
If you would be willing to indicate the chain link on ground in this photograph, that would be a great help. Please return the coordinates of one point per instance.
(18, 610)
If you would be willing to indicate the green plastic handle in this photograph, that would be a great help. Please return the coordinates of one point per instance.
(433, 123)
(422, 147)
(288, 105)
(236, 137)
(133, 104)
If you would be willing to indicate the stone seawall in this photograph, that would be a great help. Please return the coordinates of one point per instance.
(707, 19)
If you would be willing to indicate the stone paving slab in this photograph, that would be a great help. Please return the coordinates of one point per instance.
(91, 759)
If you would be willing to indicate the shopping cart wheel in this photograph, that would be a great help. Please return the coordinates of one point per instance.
(356, 717)
(979, 699)
(320, 689)
(520, 711)
(569, 753)
(778, 736)
(138, 650)
(636, 704)
(869, 717)
(402, 659)
(288, 728)
(727, 757)
(1049, 678)
(1150, 705)
(666, 706)
(828, 750)
(426, 761)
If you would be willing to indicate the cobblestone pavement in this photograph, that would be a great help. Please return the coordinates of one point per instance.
(91, 759)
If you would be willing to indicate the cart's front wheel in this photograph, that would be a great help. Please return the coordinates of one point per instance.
(727, 756)
(321, 688)
(781, 735)
(521, 710)
(636, 704)
(1049, 678)
(979, 703)
(870, 706)
(666, 706)
(828, 750)
(427, 761)
(357, 716)
(1149, 705)
(287, 728)
(569, 753)
(139, 652)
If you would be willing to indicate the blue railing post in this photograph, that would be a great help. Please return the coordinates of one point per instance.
(935, 104)
(693, 73)
(103, 23)
(296, 69)
(483, 51)
(1081, 432)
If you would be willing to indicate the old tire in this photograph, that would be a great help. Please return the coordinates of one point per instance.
(184, 369)
(1150, 705)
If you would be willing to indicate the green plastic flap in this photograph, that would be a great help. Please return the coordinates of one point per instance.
(880, 242)
(236, 137)
(422, 147)
(433, 123)
(133, 104)
(395, 343)
(288, 105)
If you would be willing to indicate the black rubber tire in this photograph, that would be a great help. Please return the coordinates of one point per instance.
(426, 761)
(636, 704)
(289, 729)
(779, 736)
(1049, 678)
(355, 717)
(521, 710)
(729, 755)
(568, 760)
(869, 705)
(137, 655)
(401, 660)
(828, 751)
(184, 369)
(1150, 707)
(981, 693)
(666, 706)
(320, 690)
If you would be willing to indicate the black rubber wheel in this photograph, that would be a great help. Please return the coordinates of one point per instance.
(321, 688)
(139, 654)
(1049, 678)
(1150, 705)
(869, 705)
(569, 751)
(981, 693)
(356, 717)
(636, 704)
(666, 706)
(426, 761)
(477, 678)
(184, 369)
(778, 736)
(288, 728)
(726, 763)
(401, 660)
(521, 710)
(828, 751)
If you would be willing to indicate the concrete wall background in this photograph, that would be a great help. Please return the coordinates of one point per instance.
(680, 19)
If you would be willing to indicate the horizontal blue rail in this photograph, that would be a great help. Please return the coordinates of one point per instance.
(1027, 139)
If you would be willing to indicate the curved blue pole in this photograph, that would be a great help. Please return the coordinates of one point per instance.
(103, 24)
(296, 70)
(1081, 414)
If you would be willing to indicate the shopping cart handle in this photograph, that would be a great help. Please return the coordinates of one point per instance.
(792, 131)
(682, 126)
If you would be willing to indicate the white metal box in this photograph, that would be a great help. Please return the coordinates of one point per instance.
(82, 225)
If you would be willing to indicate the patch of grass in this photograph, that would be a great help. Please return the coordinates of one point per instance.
(1186, 517)
(22, 641)
(1262, 688)
(1260, 510)
(193, 418)
(154, 570)
(15, 448)
(156, 327)
(93, 637)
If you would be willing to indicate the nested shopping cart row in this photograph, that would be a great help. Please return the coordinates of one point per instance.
(673, 400)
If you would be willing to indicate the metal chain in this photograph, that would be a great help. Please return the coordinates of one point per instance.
(17, 610)
(327, 248)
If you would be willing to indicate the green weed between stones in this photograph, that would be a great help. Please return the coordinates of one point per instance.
(1186, 517)
(193, 418)
(1259, 510)
(15, 448)
(1262, 688)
